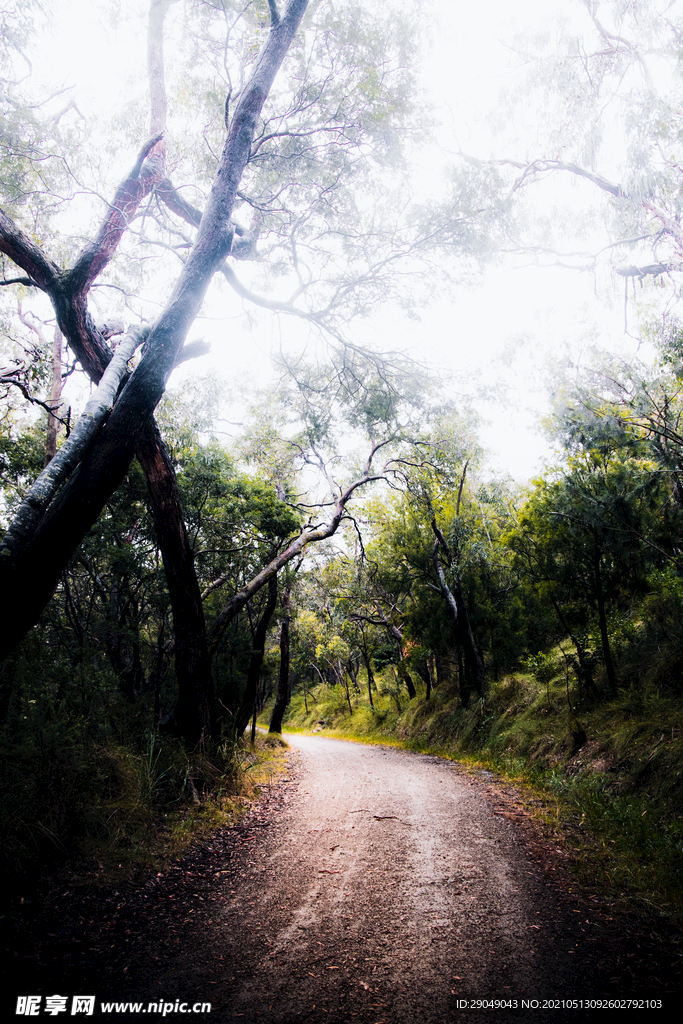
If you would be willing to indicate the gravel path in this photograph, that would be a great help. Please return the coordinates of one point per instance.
(375, 886)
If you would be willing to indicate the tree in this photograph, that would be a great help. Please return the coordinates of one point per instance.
(284, 692)
(299, 172)
(31, 573)
(579, 538)
(474, 671)
(606, 99)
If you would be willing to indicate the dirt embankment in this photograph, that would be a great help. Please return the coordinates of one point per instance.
(374, 885)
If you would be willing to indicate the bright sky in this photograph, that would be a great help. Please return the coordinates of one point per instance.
(520, 321)
(499, 337)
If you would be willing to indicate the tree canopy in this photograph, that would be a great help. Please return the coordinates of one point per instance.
(264, 159)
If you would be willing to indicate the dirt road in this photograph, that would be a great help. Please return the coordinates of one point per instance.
(376, 885)
(388, 889)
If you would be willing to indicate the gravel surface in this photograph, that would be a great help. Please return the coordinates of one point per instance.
(370, 885)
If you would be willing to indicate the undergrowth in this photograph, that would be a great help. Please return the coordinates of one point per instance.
(112, 811)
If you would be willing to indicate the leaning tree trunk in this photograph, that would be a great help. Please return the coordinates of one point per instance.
(283, 690)
(41, 492)
(404, 674)
(423, 672)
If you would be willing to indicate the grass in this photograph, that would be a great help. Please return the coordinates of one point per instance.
(113, 813)
(604, 778)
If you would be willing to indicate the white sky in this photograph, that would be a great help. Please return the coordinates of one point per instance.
(502, 333)
(520, 320)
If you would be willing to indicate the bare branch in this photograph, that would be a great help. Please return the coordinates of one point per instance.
(19, 280)
(175, 202)
(653, 268)
(95, 256)
(539, 166)
(8, 378)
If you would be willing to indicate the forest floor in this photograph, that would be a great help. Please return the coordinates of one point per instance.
(368, 885)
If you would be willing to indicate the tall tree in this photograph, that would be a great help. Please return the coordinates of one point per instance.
(284, 691)
(30, 574)
(299, 170)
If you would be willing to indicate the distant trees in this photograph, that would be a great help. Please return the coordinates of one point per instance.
(599, 534)
(394, 602)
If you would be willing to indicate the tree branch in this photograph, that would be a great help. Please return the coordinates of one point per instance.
(310, 535)
(19, 280)
(26, 254)
(539, 166)
(653, 268)
(95, 256)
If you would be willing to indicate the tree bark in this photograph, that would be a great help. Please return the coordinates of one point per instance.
(42, 491)
(283, 689)
(192, 714)
(423, 672)
(248, 702)
(55, 397)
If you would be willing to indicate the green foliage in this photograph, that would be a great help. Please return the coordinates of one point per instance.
(85, 780)
(22, 454)
(541, 665)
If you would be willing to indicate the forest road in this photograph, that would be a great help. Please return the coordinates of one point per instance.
(387, 889)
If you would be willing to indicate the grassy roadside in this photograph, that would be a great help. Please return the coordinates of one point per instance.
(604, 779)
(112, 814)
